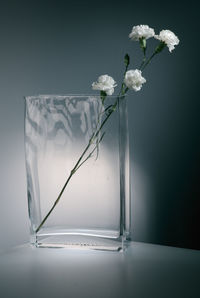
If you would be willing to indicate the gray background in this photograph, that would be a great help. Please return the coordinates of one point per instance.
(61, 47)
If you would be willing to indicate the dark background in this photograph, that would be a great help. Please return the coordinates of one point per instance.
(61, 47)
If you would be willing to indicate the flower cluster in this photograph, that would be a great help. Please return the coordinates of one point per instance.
(145, 32)
(133, 79)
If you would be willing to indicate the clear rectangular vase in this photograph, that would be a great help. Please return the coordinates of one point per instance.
(77, 162)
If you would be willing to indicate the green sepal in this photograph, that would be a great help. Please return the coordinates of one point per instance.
(143, 44)
(160, 47)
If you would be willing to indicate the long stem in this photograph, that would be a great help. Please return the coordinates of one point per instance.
(90, 154)
(60, 194)
(108, 112)
(77, 165)
(144, 59)
(148, 61)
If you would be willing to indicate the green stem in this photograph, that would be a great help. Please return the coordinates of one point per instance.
(143, 46)
(157, 50)
(148, 61)
(143, 61)
(77, 165)
(99, 141)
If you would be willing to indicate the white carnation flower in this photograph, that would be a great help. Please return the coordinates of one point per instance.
(141, 31)
(134, 79)
(105, 83)
(169, 38)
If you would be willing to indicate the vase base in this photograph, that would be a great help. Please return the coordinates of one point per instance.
(78, 242)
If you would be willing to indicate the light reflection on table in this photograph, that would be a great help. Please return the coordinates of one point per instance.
(144, 270)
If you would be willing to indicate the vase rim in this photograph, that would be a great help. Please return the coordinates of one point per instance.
(68, 95)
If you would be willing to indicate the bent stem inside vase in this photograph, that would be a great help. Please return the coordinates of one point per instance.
(92, 140)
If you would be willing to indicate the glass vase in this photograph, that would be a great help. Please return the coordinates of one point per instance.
(77, 164)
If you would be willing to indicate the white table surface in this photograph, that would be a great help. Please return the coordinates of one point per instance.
(144, 270)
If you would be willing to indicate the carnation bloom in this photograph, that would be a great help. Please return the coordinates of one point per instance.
(134, 79)
(169, 38)
(105, 83)
(141, 31)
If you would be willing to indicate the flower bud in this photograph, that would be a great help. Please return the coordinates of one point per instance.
(126, 60)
